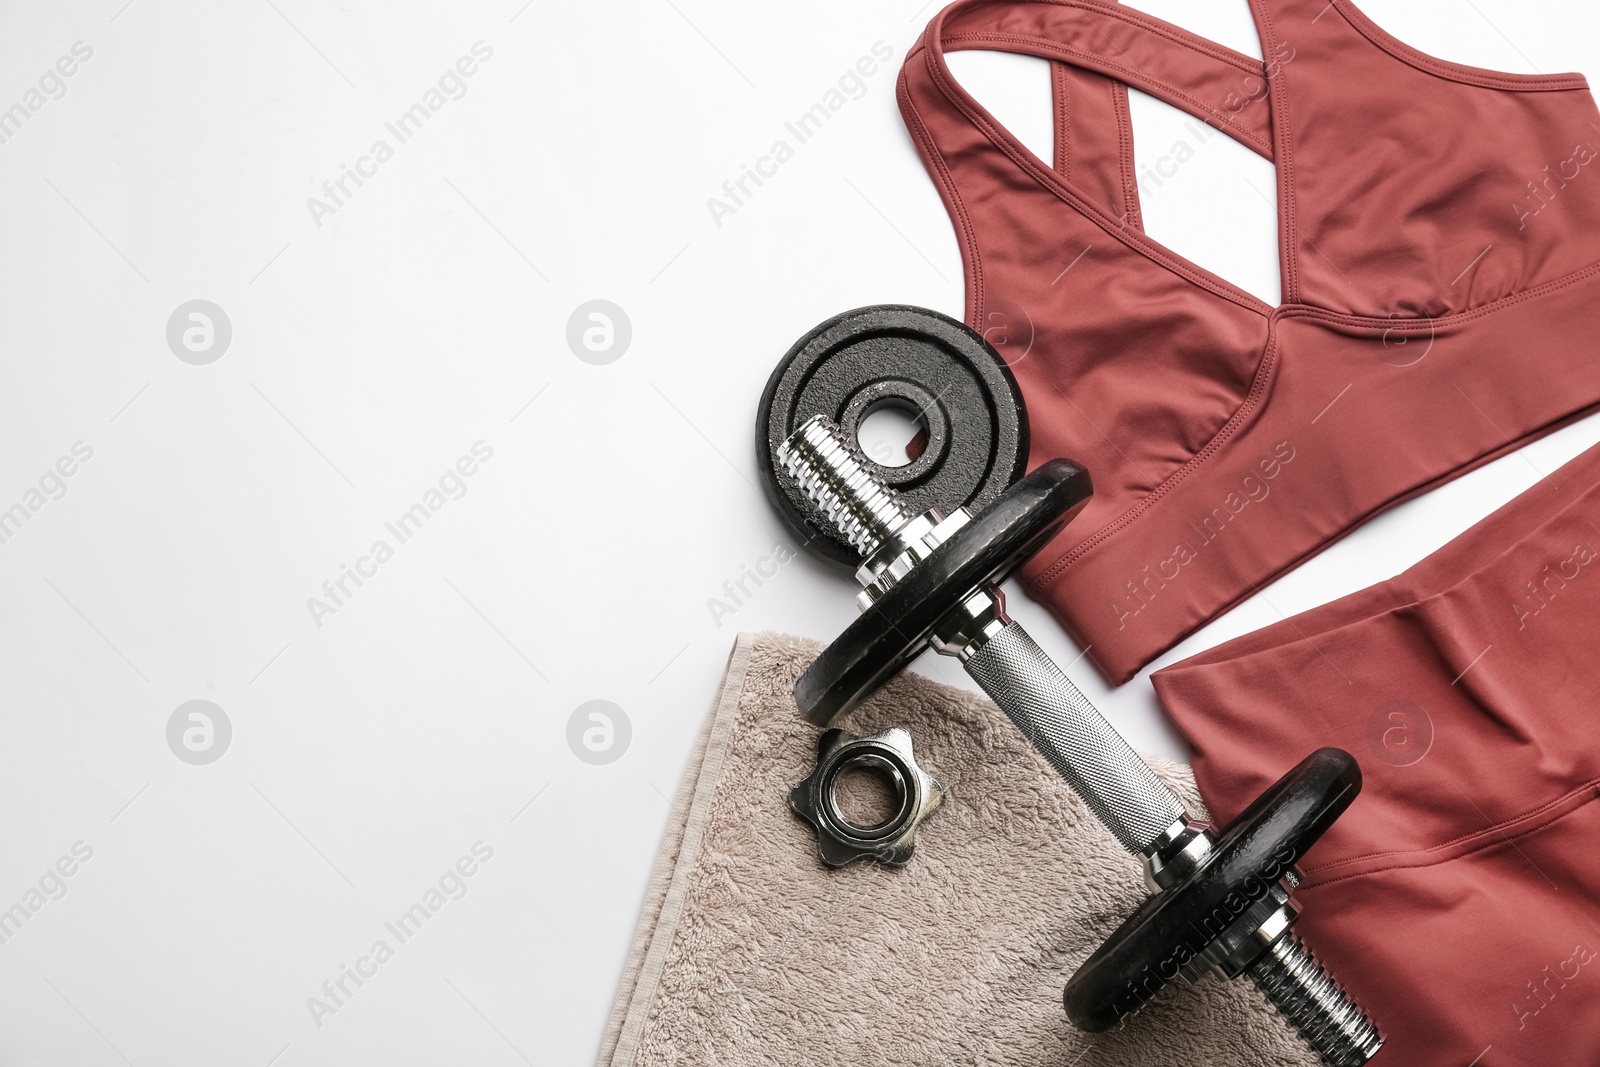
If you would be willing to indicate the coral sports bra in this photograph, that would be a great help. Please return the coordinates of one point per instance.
(1439, 231)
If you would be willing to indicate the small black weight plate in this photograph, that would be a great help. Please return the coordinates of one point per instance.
(896, 627)
(924, 362)
(1172, 928)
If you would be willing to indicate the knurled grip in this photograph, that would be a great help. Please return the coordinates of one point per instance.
(1077, 741)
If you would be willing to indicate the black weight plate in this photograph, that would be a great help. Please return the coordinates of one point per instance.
(927, 363)
(1171, 928)
(896, 627)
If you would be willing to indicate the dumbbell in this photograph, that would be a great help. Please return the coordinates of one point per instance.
(1221, 900)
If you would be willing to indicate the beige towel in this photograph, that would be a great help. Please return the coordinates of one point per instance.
(750, 951)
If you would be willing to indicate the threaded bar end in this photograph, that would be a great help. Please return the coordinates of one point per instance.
(1294, 980)
(831, 470)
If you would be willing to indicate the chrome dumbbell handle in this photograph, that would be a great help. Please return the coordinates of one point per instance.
(1075, 739)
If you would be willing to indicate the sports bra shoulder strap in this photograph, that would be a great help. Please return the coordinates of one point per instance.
(1223, 88)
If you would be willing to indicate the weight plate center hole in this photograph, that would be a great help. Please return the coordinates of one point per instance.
(893, 433)
(868, 795)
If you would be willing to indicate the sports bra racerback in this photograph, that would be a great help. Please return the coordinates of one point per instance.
(1439, 232)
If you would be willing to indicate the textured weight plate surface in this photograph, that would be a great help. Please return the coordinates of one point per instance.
(928, 364)
(1171, 928)
(895, 628)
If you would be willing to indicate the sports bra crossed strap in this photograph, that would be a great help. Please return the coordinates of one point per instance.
(1439, 232)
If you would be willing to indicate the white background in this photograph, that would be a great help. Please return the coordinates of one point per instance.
(429, 312)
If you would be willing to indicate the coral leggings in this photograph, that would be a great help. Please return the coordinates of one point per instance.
(1459, 897)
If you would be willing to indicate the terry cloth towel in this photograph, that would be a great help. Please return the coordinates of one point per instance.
(750, 951)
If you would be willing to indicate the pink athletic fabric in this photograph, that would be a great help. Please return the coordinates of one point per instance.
(1459, 897)
(1439, 231)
